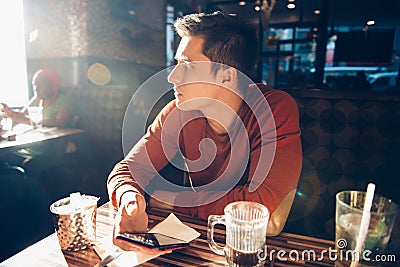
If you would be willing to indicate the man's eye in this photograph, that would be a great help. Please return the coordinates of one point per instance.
(188, 65)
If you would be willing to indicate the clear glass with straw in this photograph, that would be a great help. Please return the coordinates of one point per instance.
(364, 223)
(36, 115)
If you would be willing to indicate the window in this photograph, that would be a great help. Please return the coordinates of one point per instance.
(14, 86)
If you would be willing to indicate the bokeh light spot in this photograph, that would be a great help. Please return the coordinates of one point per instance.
(99, 74)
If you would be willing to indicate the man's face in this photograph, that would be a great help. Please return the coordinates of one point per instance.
(42, 87)
(194, 84)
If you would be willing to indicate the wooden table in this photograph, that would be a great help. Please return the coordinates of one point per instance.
(25, 136)
(47, 251)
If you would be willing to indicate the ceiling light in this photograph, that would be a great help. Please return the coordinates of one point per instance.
(242, 3)
(317, 12)
(257, 5)
(370, 22)
(291, 6)
(291, 0)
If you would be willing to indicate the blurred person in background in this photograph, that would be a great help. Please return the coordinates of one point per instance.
(41, 161)
(57, 108)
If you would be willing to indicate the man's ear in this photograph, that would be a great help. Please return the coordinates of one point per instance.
(229, 76)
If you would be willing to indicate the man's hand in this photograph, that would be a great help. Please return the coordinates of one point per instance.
(131, 215)
(162, 199)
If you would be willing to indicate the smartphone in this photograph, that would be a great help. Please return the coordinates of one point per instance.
(153, 240)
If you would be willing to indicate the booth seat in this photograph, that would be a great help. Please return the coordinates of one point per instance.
(348, 141)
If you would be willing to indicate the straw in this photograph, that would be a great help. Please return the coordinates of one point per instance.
(362, 234)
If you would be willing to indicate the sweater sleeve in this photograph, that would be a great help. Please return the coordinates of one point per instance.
(283, 175)
(145, 159)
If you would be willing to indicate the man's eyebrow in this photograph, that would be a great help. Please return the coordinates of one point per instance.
(183, 58)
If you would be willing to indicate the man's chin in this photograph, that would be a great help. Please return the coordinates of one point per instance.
(182, 105)
(191, 104)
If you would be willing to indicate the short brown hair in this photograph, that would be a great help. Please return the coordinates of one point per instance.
(228, 39)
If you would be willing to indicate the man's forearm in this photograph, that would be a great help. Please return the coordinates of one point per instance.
(120, 181)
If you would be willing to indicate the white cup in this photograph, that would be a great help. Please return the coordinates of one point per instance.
(36, 116)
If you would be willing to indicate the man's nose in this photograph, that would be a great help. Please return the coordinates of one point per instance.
(176, 75)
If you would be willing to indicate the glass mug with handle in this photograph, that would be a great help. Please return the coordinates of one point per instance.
(246, 230)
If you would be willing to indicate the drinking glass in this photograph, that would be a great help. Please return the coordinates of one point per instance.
(246, 229)
(36, 116)
(349, 211)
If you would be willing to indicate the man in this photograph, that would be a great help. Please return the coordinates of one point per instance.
(238, 141)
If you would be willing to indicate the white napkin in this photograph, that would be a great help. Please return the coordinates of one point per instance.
(170, 226)
(106, 247)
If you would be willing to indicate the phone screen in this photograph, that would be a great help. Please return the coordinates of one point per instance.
(153, 240)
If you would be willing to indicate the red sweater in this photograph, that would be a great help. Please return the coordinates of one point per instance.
(262, 166)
